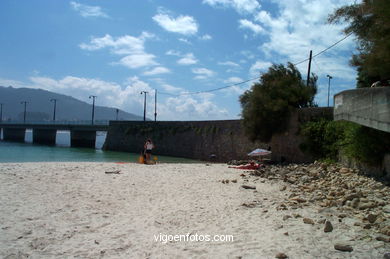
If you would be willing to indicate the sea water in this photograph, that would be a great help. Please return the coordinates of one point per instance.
(62, 152)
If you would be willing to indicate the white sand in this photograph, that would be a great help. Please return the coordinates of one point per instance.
(66, 210)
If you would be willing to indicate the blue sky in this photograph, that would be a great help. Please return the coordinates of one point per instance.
(116, 49)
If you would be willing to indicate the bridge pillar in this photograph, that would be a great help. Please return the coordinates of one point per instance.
(44, 136)
(12, 134)
(82, 138)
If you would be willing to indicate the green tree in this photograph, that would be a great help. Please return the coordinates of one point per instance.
(267, 105)
(370, 22)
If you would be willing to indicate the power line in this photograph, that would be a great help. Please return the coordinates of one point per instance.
(252, 79)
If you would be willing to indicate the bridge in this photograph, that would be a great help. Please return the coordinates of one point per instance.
(369, 107)
(81, 135)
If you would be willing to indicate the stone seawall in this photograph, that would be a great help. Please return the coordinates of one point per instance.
(203, 139)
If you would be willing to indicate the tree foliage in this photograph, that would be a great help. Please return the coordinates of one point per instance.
(267, 105)
(370, 22)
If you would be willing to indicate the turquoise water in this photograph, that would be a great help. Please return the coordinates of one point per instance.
(62, 152)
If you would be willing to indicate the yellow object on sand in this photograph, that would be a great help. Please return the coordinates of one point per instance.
(141, 159)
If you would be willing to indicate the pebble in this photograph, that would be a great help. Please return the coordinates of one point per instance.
(328, 227)
(343, 247)
(248, 187)
(308, 221)
(281, 256)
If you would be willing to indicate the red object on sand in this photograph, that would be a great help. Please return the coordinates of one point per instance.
(247, 167)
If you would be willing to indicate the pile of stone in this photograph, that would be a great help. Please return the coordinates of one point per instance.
(344, 190)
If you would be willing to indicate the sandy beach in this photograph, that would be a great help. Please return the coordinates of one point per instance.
(86, 210)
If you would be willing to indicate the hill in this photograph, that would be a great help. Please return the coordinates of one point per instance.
(39, 106)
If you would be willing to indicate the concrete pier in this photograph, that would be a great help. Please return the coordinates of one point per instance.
(44, 136)
(13, 134)
(369, 107)
(83, 138)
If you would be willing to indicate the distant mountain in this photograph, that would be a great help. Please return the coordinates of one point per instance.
(39, 106)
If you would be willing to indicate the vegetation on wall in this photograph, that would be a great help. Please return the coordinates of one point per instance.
(324, 139)
(267, 105)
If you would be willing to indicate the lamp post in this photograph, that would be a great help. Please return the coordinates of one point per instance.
(328, 76)
(144, 92)
(25, 109)
(155, 105)
(55, 105)
(117, 112)
(93, 106)
(1, 112)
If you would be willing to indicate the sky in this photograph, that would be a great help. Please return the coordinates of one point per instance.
(116, 49)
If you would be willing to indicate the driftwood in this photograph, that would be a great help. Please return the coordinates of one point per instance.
(114, 172)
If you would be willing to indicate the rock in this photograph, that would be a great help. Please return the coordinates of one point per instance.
(286, 217)
(385, 230)
(367, 205)
(384, 239)
(328, 226)
(248, 187)
(281, 256)
(308, 221)
(386, 255)
(283, 188)
(321, 221)
(344, 170)
(372, 218)
(386, 209)
(234, 181)
(343, 247)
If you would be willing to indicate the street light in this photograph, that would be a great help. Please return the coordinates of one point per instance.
(93, 106)
(155, 105)
(55, 105)
(328, 86)
(117, 112)
(144, 92)
(25, 108)
(1, 112)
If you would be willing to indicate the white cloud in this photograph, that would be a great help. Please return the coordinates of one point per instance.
(229, 63)
(157, 71)
(233, 80)
(138, 60)
(246, 24)
(206, 37)
(241, 6)
(183, 24)
(172, 89)
(259, 66)
(87, 10)
(172, 52)
(188, 59)
(186, 41)
(132, 47)
(202, 73)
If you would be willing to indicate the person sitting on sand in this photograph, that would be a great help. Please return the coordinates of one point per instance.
(250, 166)
(148, 149)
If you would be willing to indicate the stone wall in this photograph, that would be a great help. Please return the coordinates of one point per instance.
(202, 139)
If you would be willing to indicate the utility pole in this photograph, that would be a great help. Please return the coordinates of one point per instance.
(117, 111)
(93, 106)
(155, 105)
(308, 70)
(144, 92)
(1, 112)
(328, 76)
(55, 105)
(25, 109)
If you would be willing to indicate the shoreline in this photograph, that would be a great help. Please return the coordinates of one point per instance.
(76, 209)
